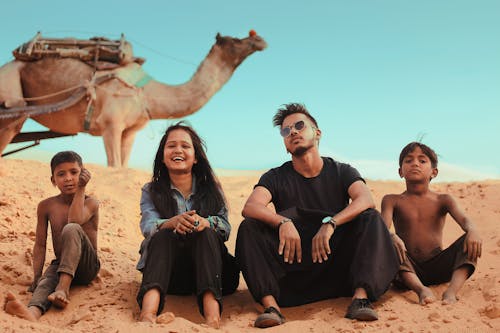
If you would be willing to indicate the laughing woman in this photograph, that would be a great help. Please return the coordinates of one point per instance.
(184, 222)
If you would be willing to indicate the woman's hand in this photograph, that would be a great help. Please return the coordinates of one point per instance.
(200, 223)
(187, 222)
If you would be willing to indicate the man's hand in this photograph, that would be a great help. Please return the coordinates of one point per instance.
(321, 243)
(400, 247)
(84, 177)
(473, 245)
(289, 246)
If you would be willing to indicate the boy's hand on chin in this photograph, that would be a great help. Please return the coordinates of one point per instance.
(84, 177)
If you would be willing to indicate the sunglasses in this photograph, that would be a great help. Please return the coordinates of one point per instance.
(286, 131)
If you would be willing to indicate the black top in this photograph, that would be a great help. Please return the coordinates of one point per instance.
(326, 192)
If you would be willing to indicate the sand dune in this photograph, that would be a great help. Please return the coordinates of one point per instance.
(109, 305)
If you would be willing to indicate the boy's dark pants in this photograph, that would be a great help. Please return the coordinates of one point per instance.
(439, 268)
(362, 256)
(78, 259)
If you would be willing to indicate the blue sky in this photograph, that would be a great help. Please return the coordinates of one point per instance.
(375, 74)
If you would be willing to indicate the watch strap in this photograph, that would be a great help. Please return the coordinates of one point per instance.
(285, 220)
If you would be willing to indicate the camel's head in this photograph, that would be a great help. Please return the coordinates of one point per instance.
(235, 50)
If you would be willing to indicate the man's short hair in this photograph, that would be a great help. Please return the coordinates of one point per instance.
(429, 152)
(63, 157)
(289, 109)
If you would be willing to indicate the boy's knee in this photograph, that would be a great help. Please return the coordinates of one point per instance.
(71, 229)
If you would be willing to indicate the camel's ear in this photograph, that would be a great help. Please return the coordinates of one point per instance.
(218, 37)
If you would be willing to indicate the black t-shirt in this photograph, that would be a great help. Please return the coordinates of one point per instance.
(326, 192)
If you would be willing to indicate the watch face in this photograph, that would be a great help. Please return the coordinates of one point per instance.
(327, 219)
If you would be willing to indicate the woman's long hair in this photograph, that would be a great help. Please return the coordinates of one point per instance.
(208, 199)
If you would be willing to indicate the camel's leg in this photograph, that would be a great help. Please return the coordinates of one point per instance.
(128, 137)
(112, 136)
(9, 129)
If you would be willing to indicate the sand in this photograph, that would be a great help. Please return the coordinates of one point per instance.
(108, 304)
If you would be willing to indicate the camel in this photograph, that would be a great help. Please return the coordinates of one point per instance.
(103, 103)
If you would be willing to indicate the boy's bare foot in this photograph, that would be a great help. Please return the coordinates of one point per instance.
(449, 297)
(426, 296)
(147, 317)
(59, 298)
(14, 307)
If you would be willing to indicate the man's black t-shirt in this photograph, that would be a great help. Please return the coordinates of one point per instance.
(326, 192)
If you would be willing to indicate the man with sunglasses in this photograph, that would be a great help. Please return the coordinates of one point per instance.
(323, 239)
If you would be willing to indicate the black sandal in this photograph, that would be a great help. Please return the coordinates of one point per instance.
(271, 317)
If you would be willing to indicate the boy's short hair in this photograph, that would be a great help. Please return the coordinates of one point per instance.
(63, 157)
(429, 152)
(289, 109)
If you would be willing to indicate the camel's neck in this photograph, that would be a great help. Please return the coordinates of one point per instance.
(165, 101)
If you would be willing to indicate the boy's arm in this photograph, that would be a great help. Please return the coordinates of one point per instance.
(387, 210)
(39, 250)
(79, 212)
(388, 203)
(473, 243)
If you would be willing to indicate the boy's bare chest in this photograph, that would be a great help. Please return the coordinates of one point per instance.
(418, 211)
(58, 218)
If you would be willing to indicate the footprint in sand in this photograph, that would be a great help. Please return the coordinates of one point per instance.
(491, 311)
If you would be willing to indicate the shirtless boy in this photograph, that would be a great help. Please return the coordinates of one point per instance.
(419, 216)
(73, 219)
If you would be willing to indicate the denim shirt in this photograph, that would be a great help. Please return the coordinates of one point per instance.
(151, 219)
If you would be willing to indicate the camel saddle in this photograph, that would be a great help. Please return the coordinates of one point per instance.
(99, 52)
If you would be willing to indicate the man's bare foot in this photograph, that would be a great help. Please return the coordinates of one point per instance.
(59, 298)
(14, 307)
(147, 317)
(426, 296)
(449, 297)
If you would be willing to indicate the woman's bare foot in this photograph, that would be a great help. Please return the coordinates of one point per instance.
(211, 309)
(147, 317)
(449, 297)
(213, 322)
(59, 298)
(14, 307)
(426, 296)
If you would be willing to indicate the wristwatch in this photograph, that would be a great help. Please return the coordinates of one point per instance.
(285, 220)
(329, 220)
